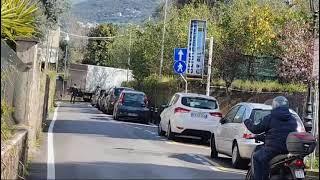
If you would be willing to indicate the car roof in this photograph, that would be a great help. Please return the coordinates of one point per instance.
(195, 95)
(123, 88)
(133, 92)
(261, 106)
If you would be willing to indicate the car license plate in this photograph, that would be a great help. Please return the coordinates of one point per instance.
(132, 114)
(299, 173)
(199, 115)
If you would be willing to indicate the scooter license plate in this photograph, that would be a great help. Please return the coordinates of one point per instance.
(299, 173)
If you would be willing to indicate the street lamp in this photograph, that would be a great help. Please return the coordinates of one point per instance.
(314, 6)
(66, 39)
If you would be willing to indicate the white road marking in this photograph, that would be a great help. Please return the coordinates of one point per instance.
(149, 131)
(218, 167)
(214, 168)
(190, 145)
(50, 158)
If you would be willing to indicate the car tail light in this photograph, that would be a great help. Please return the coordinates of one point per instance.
(298, 163)
(247, 135)
(181, 110)
(216, 114)
(121, 98)
(146, 101)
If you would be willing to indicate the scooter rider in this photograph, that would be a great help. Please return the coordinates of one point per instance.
(276, 126)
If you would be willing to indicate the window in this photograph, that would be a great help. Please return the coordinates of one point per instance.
(257, 115)
(133, 97)
(230, 115)
(198, 102)
(240, 115)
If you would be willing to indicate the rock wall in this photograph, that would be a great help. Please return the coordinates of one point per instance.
(14, 156)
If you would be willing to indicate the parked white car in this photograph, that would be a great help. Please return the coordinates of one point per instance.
(190, 115)
(231, 135)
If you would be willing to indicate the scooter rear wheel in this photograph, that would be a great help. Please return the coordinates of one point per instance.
(249, 175)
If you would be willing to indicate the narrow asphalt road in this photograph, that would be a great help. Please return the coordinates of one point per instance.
(90, 145)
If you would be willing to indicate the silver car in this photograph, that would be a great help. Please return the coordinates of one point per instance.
(231, 135)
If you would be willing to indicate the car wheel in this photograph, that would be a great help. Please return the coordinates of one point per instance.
(160, 131)
(170, 134)
(214, 152)
(236, 159)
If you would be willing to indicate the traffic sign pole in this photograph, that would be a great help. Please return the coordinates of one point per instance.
(185, 80)
(209, 66)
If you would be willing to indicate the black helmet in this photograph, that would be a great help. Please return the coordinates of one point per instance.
(280, 101)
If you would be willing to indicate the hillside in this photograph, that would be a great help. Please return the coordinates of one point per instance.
(114, 11)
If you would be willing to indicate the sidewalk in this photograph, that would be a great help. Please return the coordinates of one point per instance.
(37, 167)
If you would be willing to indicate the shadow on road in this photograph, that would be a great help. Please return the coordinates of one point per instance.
(111, 170)
(100, 126)
(186, 158)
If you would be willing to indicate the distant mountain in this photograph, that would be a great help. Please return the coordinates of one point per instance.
(114, 11)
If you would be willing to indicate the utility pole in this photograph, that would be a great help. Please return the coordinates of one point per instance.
(163, 35)
(314, 6)
(129, 58)
(65, 62)
(209, 66)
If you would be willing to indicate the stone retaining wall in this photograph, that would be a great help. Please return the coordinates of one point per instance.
(14, 156)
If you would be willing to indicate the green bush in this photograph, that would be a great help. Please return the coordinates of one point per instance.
(315, 162)
(6, 111)
(263, 86)
(158, 90)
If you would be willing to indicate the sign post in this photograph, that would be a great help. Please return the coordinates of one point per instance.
(209, 67)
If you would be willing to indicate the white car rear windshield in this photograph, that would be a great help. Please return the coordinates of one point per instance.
(200, 103)
(258, 115)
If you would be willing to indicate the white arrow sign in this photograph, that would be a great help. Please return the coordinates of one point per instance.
(180, 53)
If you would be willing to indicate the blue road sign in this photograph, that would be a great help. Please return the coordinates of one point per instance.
(180, 54)
(180, 67)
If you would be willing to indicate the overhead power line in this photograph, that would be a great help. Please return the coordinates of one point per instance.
(88, 37)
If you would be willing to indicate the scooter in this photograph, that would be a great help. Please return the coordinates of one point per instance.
(287, 166)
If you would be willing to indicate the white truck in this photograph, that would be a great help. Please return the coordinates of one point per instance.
(88, 77)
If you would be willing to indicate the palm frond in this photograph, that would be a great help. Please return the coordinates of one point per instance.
(17, 18)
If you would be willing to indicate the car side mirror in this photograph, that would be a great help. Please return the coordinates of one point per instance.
(164, 105)
(222, 120)
(308, 126)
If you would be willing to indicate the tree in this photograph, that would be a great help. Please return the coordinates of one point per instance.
(54, 10)
(98, 51)
(296, 57)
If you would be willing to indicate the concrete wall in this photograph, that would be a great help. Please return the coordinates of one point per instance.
(32, 100)
(14, 156)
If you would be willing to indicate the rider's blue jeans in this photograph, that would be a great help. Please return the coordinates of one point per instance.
(261, 159)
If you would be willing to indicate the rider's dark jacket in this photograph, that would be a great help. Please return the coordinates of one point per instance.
(277, 125)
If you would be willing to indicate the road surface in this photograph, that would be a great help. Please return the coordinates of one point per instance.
(87, 144)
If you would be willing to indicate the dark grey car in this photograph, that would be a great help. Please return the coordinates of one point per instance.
(132, 105)
(111, 99)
